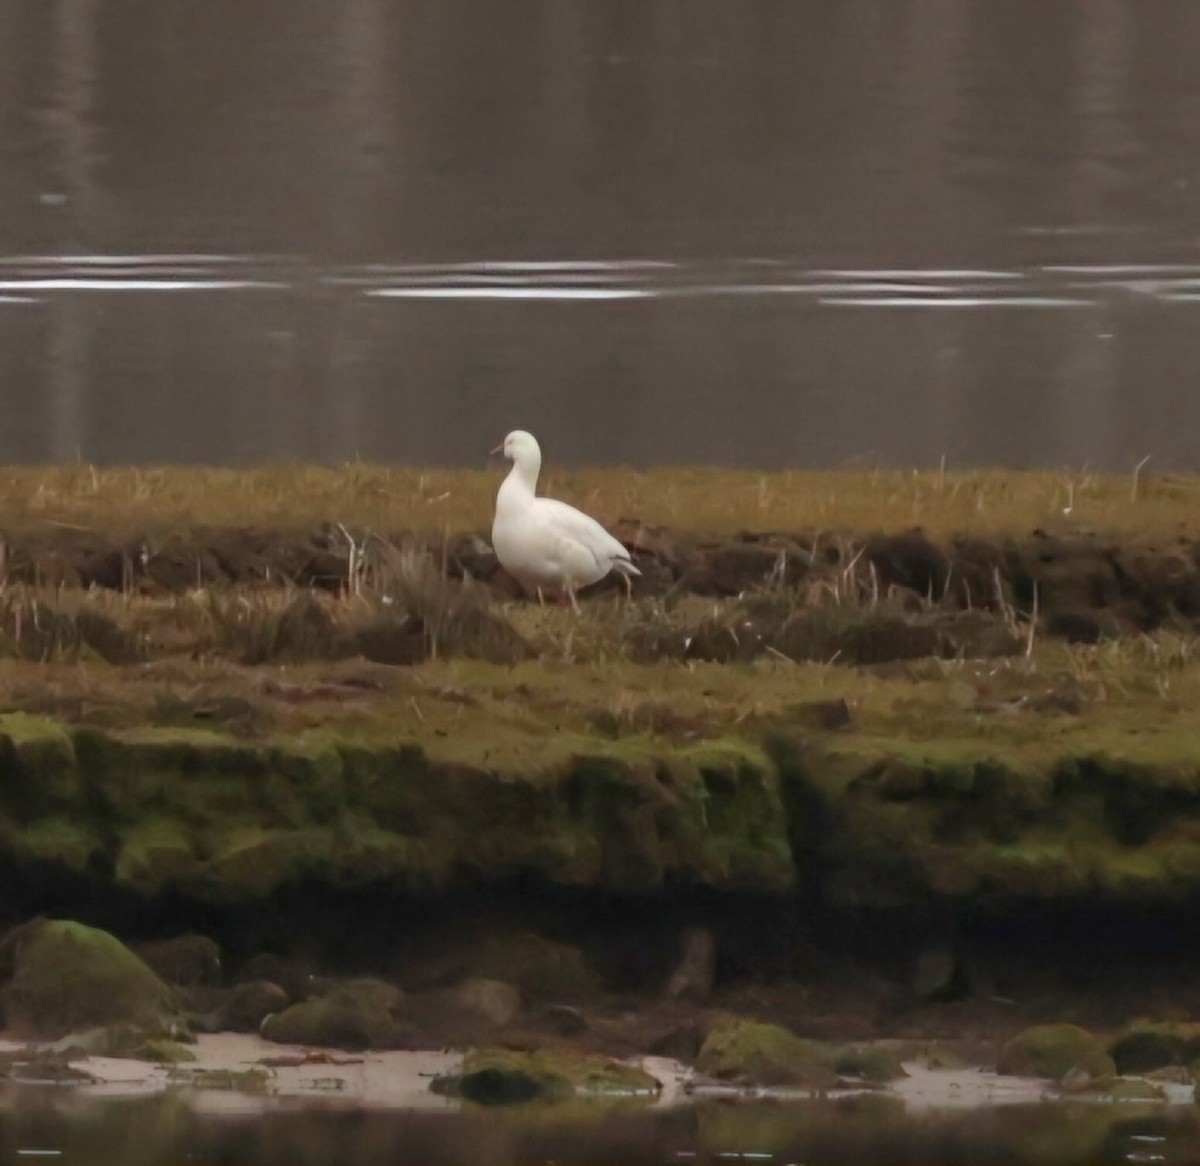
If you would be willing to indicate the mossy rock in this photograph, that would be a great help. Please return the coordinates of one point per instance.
(1144, 1047)
(248, 1004)
(183, 960)
(868, 1063)
(360, 1014)
(1134, 1089)
(507, 1077)
(1054, 1050)
(68, 977)
(165, 1052)
(750, 1052)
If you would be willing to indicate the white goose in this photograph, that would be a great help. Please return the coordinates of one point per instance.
(546, 545)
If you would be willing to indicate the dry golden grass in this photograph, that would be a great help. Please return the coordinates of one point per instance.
(126, 501)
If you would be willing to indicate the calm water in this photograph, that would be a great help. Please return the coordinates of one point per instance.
(787, 232)
(869, 1131)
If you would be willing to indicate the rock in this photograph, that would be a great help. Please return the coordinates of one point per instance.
(491, 1000)
(1144, 1047)
(360, 1014)
(665, 1028)
(505, 1077)
(184, 960)
(162, 1051)
(1133, 1089)
(696, 971)
(538, 966)
(68, 977)
(248, 1005)
(749, 1052)
(295, 975)
(1054, 1051)
(868, 1063)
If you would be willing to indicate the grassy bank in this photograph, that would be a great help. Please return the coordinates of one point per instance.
(123, 502)
(876, 719)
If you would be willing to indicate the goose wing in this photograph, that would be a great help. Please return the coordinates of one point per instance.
(567, 522)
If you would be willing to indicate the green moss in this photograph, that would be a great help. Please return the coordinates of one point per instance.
(361, 1014)
(1134, 1090)
(890, 809)
(155, 853)
(69, 977)
(1054, 1051)
(749, 1052)
(34, 732)
(168, 1052)
(362, 853)
(316, 776)
(56, 840)
(38, 771)
(248, 861)
(867, 1063)
(506, 1076)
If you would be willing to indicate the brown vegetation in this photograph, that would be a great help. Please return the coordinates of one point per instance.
(129, 502)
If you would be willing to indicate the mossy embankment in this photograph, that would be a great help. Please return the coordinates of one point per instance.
(1065, 774)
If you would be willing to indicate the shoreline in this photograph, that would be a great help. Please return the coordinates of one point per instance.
(224, 1080)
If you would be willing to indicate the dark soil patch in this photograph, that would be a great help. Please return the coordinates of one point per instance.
(1082, 587)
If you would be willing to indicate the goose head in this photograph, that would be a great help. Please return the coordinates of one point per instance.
(520, 447)
(523, 451)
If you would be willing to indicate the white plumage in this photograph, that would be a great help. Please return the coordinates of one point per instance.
(546, 545)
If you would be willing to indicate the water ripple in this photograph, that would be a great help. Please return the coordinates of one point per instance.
(22, 277)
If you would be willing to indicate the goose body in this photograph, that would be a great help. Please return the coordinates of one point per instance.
(546, 545)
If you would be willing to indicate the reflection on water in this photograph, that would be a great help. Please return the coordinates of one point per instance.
(804, 235)
(754, 362)
(786, 234)
(170, 1130)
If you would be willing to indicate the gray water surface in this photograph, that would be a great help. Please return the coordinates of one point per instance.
(770, 234)
(52, 1126)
